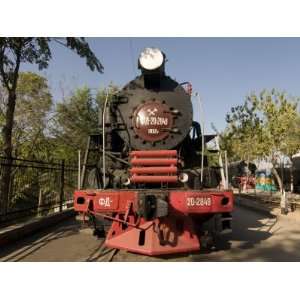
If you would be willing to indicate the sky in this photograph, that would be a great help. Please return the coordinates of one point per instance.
(222, 70)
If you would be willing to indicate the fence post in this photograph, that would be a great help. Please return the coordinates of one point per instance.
(5, 184)
(62, 185)
(79, 169)
(40, 204)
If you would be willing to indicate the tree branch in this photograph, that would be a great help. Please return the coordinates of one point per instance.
(2, 72)
(17, 67)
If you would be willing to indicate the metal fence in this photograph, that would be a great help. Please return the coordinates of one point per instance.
(35, 188)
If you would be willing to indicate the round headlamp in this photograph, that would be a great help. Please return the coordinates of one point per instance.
(151, 58)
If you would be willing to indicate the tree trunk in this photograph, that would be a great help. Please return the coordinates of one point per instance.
(292, 175)
(7, 149)
(278, 179)
(283, 198)
(247, 175)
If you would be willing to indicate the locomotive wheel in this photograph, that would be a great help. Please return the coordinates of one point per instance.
(211, 238)
(207, 242)
(221, 239)
(214, 242)
(220, 243)
(101, 226)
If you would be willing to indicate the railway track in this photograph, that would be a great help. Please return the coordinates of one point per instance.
(102, 254)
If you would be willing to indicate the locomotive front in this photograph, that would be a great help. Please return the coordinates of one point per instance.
(150, 180)
(159, 112)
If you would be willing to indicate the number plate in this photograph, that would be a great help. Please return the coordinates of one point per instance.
(198, 201)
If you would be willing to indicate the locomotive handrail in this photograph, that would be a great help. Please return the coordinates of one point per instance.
(202, 136)
(103, 139)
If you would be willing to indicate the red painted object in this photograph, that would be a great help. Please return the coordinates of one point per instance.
(153, 153)
(153, 179)
(154, 166)
(154, 161)
(153, 170)
(246, 182)
(160, 235)
(151, 221)
(151, 121)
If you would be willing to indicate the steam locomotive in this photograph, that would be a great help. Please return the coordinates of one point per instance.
(145, 180)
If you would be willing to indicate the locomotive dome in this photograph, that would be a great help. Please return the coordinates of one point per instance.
(158, 111)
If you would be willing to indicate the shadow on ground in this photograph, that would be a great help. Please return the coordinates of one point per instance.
(255, 237)
(20, 250)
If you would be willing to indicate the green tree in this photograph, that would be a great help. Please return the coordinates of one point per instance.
(265, 126)
(243, 138)
(13, 52)
(31, 116)
(75, 119)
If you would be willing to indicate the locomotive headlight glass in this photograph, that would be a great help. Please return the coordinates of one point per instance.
(151, 58)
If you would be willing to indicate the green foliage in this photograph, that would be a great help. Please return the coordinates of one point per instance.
(292, 141)
(244, 134)
(14, 51)
(75, 119)
(265, 125)
(280, 115)
(46, 132)
(31, 116)
(81, 47)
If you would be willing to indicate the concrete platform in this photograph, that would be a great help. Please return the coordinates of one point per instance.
(16, 232)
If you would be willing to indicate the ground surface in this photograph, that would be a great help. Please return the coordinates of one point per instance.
(256, 237)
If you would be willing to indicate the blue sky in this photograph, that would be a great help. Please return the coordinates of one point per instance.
(222, 70)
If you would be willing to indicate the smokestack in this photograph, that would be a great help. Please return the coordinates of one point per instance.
(152, 65)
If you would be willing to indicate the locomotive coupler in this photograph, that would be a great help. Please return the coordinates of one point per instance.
(152, 205)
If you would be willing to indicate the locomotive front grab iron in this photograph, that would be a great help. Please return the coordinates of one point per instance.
(149, 182)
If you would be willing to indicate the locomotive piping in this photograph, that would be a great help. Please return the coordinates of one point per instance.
(103, 138)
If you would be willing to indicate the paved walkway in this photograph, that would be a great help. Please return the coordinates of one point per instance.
(255, 238)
